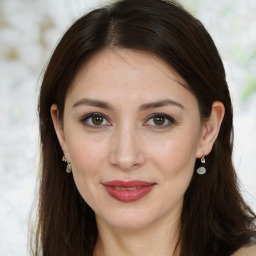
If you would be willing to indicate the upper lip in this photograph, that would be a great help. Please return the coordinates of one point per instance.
(128, 184)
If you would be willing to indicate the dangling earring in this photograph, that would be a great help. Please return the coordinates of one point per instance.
(69, 166)
(201, 170)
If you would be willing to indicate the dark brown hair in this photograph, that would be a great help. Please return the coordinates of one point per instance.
(215, 220)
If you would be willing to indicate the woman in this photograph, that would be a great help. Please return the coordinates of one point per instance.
(135, 102)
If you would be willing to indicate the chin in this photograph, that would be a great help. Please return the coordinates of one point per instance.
(129, 220)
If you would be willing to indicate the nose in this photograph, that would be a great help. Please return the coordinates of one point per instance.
(126, 149)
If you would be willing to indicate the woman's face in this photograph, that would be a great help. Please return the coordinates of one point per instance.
(132, 132)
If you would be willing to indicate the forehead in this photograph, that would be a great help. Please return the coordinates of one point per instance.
(117, 71)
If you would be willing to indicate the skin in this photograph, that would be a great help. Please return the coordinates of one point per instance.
(129, 144)
(246, 251)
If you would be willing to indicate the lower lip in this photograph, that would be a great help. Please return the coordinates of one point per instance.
(128, 195)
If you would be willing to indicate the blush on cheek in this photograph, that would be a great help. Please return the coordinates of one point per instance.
(81, 151)
(176, 159)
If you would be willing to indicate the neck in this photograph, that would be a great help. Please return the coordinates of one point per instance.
(160, 238)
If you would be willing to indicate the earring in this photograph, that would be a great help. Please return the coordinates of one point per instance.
(201, 170)
(69, 166)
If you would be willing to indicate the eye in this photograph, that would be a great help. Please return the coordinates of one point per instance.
(160, 120)
(95, 120)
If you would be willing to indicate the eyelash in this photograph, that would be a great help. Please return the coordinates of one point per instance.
(85, 121)
(86, 118)
(170, 120)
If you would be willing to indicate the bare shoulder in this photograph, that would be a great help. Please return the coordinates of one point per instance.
(246, 251)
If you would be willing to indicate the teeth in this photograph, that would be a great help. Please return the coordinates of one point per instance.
(130, 189)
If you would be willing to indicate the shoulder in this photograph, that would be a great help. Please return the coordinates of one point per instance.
(246, 251)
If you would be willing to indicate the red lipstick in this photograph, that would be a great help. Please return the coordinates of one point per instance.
(128, 191)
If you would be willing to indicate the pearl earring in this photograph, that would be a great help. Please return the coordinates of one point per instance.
(201, 170)
(69, 166)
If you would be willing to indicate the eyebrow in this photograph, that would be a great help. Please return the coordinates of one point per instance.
(150, 105)
(94, 103)
(160, 103)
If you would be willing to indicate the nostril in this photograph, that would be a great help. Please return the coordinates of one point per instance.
(126, 162)
(126, 151)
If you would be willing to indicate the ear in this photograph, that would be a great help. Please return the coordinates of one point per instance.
(58, 126)
(210, 129)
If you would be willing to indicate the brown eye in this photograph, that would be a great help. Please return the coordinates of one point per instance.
(97, 120)
(159, 120)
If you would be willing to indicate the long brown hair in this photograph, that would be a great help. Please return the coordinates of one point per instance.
(215, 220)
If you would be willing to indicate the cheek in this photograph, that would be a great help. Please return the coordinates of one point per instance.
(85, 152)
(175, 155)
(87, 158)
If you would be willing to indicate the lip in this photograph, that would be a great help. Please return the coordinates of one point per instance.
(128, 191)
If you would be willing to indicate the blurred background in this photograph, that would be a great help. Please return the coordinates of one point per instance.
(29, 31)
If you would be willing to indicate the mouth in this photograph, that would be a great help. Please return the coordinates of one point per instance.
(124, 189)
(128, 191)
